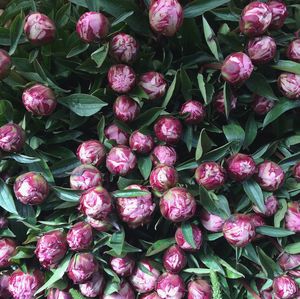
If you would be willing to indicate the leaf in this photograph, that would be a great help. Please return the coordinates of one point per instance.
(186, 84)
(77, 50)
(170, 92)
(268, 265)
(250, 131)
(6, 199)
(100, 55)
(67, 194)
(130, 193)
(160, 246)
(64, 167)
(216, 286)
(287, 66)
(63, 15)
(148, 117)
(293, 248)
(254, 192)
(206, 89)
(117, 241)
(227, 99)
(16, 30)
(230, 271)
(100, 128)
(210, 38)
(23, 159)
(204, 144)
(217, 154)
(197, 271)
(274, 231)
(145, 166)
(122, 18)
(187, 232)
(198, 7)
(6, 112)
(236, 135)
(75, 294)
(279, 216)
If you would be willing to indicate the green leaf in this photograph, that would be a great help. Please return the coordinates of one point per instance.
(148, 117)
(210, 38)
(216, 286)
(117, 241)
(270, 268)
(186, 84)
(63, 15)
(6, 112)
(287, 66)
(100, 128)
(279, 216)
(254, 192)
(122, 18)
(230, 271)
(236, 135)
(227, 99)
(23, 159)
(293, 248)
(100, 55)
(274, 231)
(130, 193)
(217, 154)
(16, 30)
(160, 246)
(197, 271)
(6, 199)
(187, 232)
(67, 194)
(77, 50)
(76, 294)
(64, 167)
(170, 92)
(204, 144)
(206, 89)
(198, 7)
(250, 131)
(145, 166)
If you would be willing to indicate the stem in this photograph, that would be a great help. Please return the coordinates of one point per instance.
(250, 290)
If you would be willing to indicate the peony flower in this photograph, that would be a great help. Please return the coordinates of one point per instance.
(271, 204)
(5, 64)
(99, 225)
(289, 261)
(152, 295)
(94, 287)
(58, 294)
(31, 188)
(292, 216)
(4, 282)
(163, 177)
(279, 13)
(195, 112)
(289, 85)
(91, 152)
(261, 105)
(113, 132)
(123, 266)
(293, 50)
(153, 84)
(126, 109)
(296, 172)
(219, 104)
(212, 223)
(170, 286)
(183, 243)
(12, 138)
(257, 220)
(174, 259)
(168, 129)
(285, 287)
(177, 205)
(7, 250)
(141, 143)
(199, 289)
(125, 292)
(80, 236)
(163, 154)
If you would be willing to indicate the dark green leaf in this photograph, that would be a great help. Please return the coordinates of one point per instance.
(274, 231)
(145, 166)
(77, 50)
(130, 193)
(268, 265)
(287, 66)
(160, 246)
(204, 144)
(253, 191)
(67, 194)
(16, 29)
(198, 7)
(236, 135)
(293, 248)
(122, 18)
(187, 232)
(148, 117)
(170, 92)
(100, 55)
(6, 199)
(117, 241)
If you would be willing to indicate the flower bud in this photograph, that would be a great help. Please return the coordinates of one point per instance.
(91, 152)
(3, 222)
(270, 176)
(199, 289)
(113, 132)
(31, 188)
(5, 64)
(211, 222)
(120, 160)
(7, 250)
(85, 177)
(121, 78)
(124, 48)
(80, 236)
(93, 287)
(239, 230)
(219, 104)
(183, 243)
(292, 216)
(195, 112)
(170, 286)
(123, 266)
(126, 109)
(96, 203)
(174, 259)
(177, 205)
(163, 154)
(81, 267)
(237, 68)
(143, 281)
(289, 261)
(166, 16)
(58, 294)
(92, 27)
(266, 294)
(141, 143)
(125, 292)
(279, 13)
(135, 211)
(39, 100)
(163, 177)
(153, 84)
(271, 204)
(99, 225)
(152, 295)
(293, 51)
(261, 105)
(255, 18)
(257, 220)
(168, 129)
(296, 172)
(210, 175)
(4, 281)
(289, 85)
(12, 138)
(285, 287)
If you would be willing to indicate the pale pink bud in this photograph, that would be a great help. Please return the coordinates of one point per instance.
(211, 222)
(285, 287)
(219, 102)
(99, 225)
(293, 50)
(195, 112)
(125, 108)
(93, 287)
(289, 261)
(289, 85)
(174, 259)
(58, 294)
(170, 286)
(91, 152)
(7, 250)
(153, 84)
(123, 266)
(199, 289)
(262, 105)
(113, 132)
(182, 242)
(163, 154)
(271, 204)
(292, 216)
(279, 13)
(125, 292)
(4, 281)
(296, 172)
(80, 236)
(163, 177)
(12, 138)
(141, 143)
(5, 64)
(168, 129)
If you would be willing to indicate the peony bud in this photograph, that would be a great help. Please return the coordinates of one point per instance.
(12, 138)
(5, 64)
(270, 176)
(3, 222)
(31, 188)
(168, 129)
(7, 250)
(81, 267)
(239, 230)
(255, 19)
(262, 105)
(91, 152)
(285, 287)
(177, 205)
(271, 204)
(113, 132)
(289, 261)
(292, 216)
(124, 48)
(195, 112)
(163, 154)
(183, 243)
(153, 84)
(199, 289)
(240, 167)
(289, 85)
(96, 203)
(210, 175)
(125, 292)
(58, 294)
(152, 295)
(94, 287)
(143, 281)
(126, 109)
(85, 177)
(219, 104)
(170, 286)
(174, 259)
(123, 266)
(211, 222)
(135, 211)
(293, 51)
(237, 68)
(141, 143)
(80, 236)
(257, 220)
(4, 281)
(92, 27)
(99, 225)
(166, 16)
(296, 172)
(279, 13)
(120, 160)
(266, 295)
(121, 78)
(261, 49)
(163, 177)
(39, 100)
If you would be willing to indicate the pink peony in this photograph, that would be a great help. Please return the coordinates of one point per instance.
(195, 112)
(219, 104)
(293, 50)
(289, 261)
(91, 152)
(80, 236)
(174, 259)
(94, 287)
(4, 282)
(141, 143)
(199, 289)
(163, 154)
(292, 216)
(170, 286)
(163, 177)
(279, 13)
(285, 287)
(126, 109)
(211, 222)
(12, 138)
(289, 85)
(123, 266)
(113, 132)
(99, 225)
(168, 129)
(153, 84)
(262, 105)
(58, 294)
(7, 250)
(125, 292)
(5, 64)
(271, 204)
(296, 172)
(182, 242)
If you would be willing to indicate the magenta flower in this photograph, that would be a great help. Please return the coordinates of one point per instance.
(4, 282)
(125, 292)
(58, 294)
(257, 220)
(94, 287)
(126, 109)
(12, 138)
(212, 223)
(199, 289)
(170, 286)
(289, 261)
(219, 104)
(293, 50)
(168, 129)
(195, 112)
(113, 132)
(141, 143)
(153, 84)
(123, 266)
(7, 250)
(5, 64)
(163, 177)
(292, 216)
(174, 259)
(261, 105)
(91, 152)
(163, 154)
(289, 85)
(271, 204)
(183, 243)
(279, 13)
(99, 225)
(285, 287)
(296, 172)
(80, 236)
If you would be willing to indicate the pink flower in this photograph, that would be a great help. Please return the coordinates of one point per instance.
(279, 13)
(237, 68)
(239, 230)
(271, 204)
(170, 286)
(135, 211)
(99, 225)
(85, 177)
(177, 205)
(182, 242)
(31, 188)
(91, 152)
(12, 138)
(152, 295)
(120, 160)
(255, 18)
(39, 29)
(126, 109)
(285, 287)
(58, 294)
(125, 292)
(289, 261)
(296, 172)
(92, 27)
(80, 236)
(141, 143)
(195, 112)
(143, 281)
(123, 266)
(166, 16)
(262, 105)
(163, 154)
(292, 216)
(174, 259)
(4, 281)
(163, 177)
(121, 78)
(199, 289)
(153, 84)
(7, 250)
(293, 50)
(96, 203)
(210, 175)
(219, 104)
(212, 223)
(93, 287)
(257, 220)
(269, 176)
(82, 267)
(51, 248)
(124, 48)
(5, 64)
(168, 129)
(113, 132)
(289, 85)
